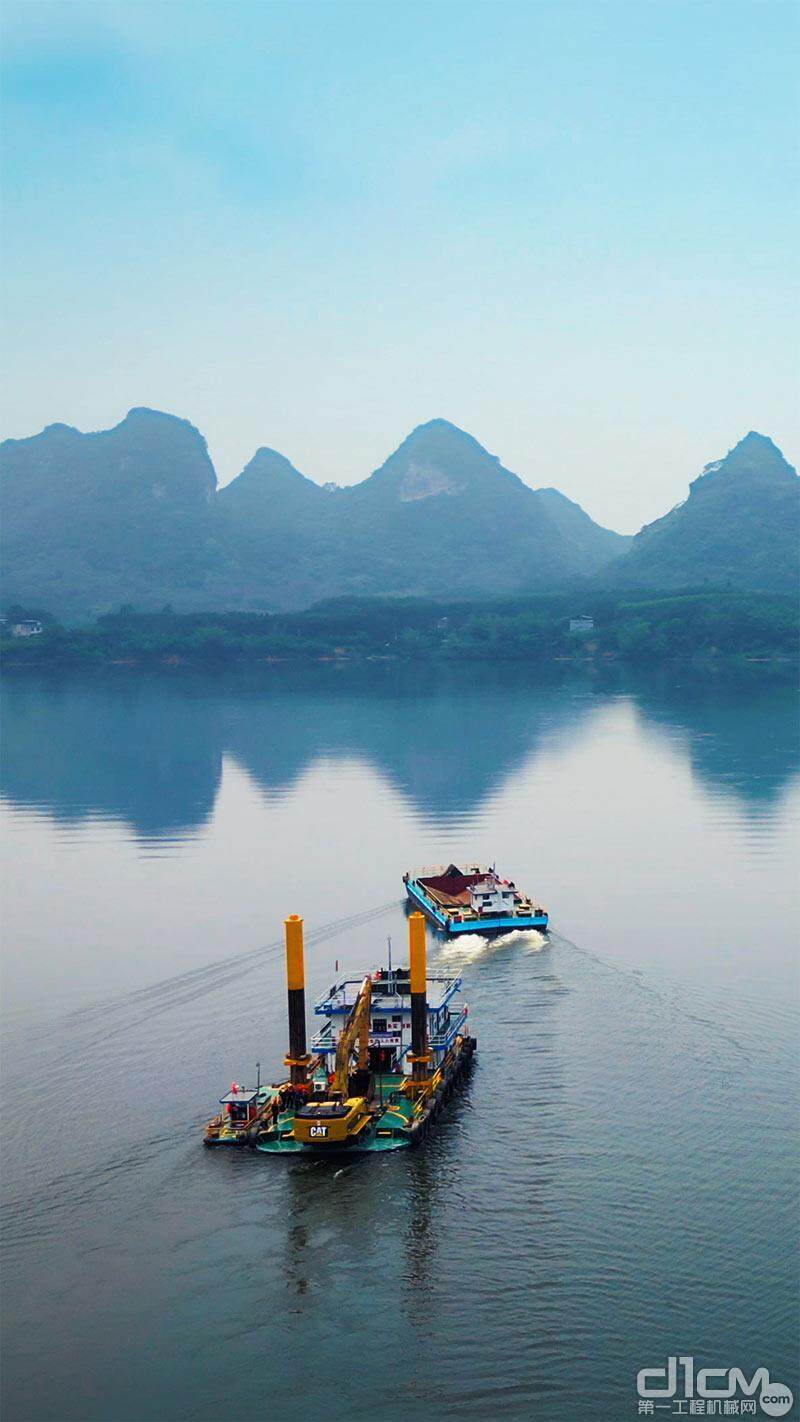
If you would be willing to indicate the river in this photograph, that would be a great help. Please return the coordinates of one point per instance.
(615, 1184)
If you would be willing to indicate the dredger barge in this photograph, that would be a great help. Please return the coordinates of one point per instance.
(389, 1053)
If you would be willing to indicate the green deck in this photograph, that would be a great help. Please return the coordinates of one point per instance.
(390, 1131)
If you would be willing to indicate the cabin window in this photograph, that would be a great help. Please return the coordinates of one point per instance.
(378, 1024)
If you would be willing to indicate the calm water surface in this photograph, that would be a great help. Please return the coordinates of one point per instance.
(616, 1184)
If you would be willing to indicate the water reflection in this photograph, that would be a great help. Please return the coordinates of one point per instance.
(446, 747)
(740, 736)
(626, 1136)
(420, 1234)
(146, 753)
(147, 750)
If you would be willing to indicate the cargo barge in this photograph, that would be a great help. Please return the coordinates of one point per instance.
(471, 898)
(389, 1052)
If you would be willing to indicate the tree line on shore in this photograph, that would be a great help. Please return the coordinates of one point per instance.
(641, 627)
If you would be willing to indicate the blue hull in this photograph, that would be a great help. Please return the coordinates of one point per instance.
(484, 925)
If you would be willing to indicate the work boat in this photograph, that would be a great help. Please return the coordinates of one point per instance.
(471, 898)
(390, 1050)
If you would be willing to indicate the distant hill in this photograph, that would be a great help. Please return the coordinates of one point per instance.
(133, 515)
(598, 544)
(739, 528)
(440, 517)
(90, 521)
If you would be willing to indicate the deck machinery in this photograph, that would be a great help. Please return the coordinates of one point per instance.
(389, 1052)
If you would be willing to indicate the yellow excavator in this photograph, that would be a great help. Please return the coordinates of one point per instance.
(343, 1115)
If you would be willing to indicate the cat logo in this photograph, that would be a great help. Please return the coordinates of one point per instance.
(318, 1131)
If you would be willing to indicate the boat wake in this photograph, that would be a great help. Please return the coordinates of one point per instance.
(472, 946)
(196, 982)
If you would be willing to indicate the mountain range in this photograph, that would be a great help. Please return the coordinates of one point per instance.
(134, 515)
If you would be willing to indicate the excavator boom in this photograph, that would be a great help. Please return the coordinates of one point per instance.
(356, 1029)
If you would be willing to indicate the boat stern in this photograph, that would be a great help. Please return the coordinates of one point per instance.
(325, 1124)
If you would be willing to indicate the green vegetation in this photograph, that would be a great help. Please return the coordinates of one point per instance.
(640, 627)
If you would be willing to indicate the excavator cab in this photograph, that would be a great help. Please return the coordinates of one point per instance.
(323, 1123)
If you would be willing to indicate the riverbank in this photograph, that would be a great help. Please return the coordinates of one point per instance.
(644, 628)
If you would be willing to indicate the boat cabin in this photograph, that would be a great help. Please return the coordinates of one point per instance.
(390, 1018)
(240, 1106)
(492, 896)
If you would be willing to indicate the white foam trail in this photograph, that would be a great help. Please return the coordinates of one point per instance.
(472, 946)
(528, 938)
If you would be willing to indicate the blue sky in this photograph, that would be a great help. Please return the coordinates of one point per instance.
(567, 227)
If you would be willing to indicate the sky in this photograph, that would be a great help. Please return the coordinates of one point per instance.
(569, 228)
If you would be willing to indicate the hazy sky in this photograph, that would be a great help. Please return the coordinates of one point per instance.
(566, 227)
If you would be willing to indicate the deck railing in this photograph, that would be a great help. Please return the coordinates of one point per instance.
(443, 1038)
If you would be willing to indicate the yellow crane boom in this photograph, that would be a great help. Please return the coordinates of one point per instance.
(356, 1028)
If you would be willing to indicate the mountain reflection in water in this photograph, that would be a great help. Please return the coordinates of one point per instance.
(148, 749)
